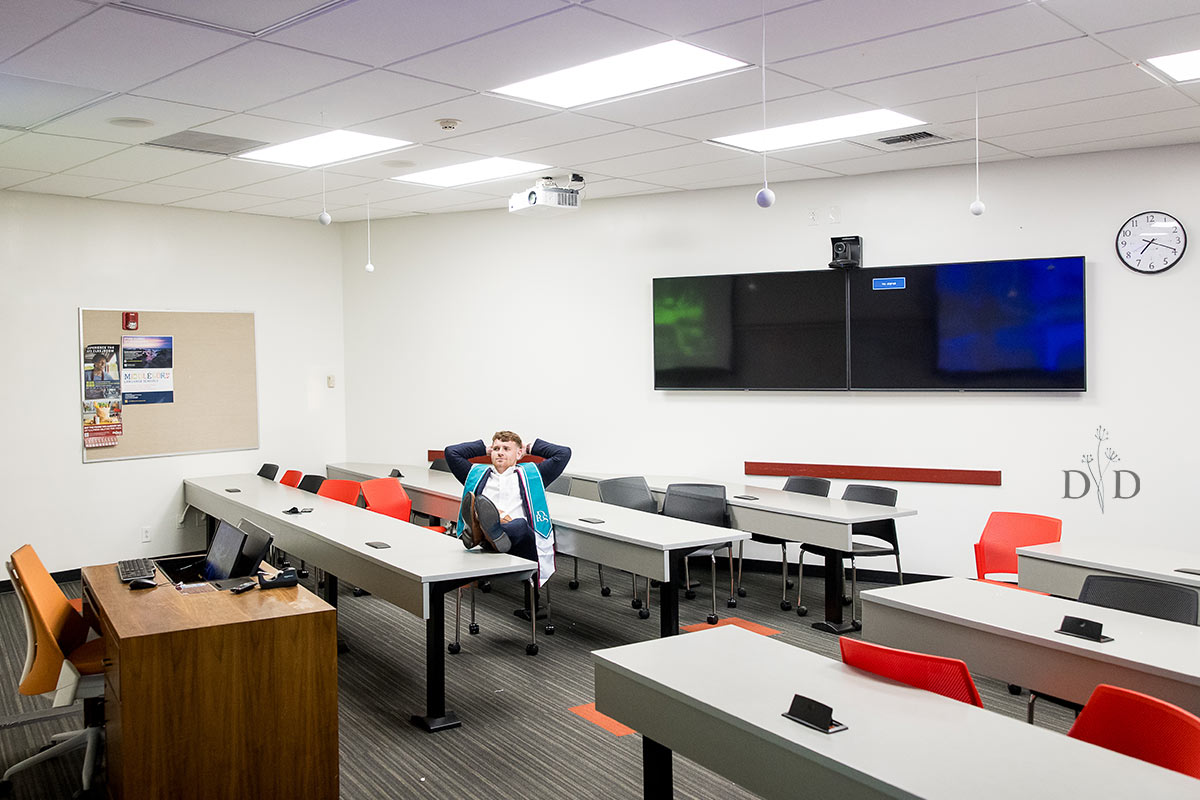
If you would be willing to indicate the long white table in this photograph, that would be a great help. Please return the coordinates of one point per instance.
(646, 544)
(1009, 634)
(690, 695)
(1061, 567)
(796, 517)
(414, 573)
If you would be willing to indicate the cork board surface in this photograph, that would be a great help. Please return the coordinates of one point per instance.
(215, 403)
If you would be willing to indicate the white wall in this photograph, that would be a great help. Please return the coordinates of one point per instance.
(57, 254)
(450, 289)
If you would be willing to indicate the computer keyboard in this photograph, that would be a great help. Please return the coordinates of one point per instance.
(134, 568)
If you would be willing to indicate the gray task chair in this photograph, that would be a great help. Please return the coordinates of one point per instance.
(705, 503)
(877, 538)
(631, 492)
(801, 484)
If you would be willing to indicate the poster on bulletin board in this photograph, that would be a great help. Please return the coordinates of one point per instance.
(147, 374)
(101, 396)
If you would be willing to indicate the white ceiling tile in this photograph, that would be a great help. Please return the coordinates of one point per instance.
(262, 129)
(1185, 136)
(303, 184)
(680, 17)
(359, 213)
(117, 50)
(1147, 124)
(644, 163)
(228, 174)
(379, 32)
(92, 122)
(734, 171)
(612, 145)
(786, 111)
(15, 177)
(442, 198)
(40, 151)
(223, 201)
(236, 14)
(150, 193)
(532, 134)
(476, 112)
(144, 163)
(73, 185)
(1156, 39)
(820, 26)
(1093, 17)
(552, 42)
(26, 22)
(288, 208)
(823, 153)
(24, 102)
(920, 157)
(618, 187)
(379, 191)
(1104, 108)
(403, 162)
(251, 75)
(360, 99)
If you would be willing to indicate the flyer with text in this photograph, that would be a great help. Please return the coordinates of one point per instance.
(147, 374)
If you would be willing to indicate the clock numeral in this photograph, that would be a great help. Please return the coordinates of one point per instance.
(1124, 243)
(1149, 219)
(1166, 261)
(1128, 254)
(1139, 262)
(1125, 233)
(1175, 229)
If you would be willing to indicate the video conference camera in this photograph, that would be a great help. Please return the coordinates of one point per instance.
(847, 252)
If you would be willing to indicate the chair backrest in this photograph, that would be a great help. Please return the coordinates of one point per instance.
(1168, 601)
(341, 490)
(560, 485)
(440, 464)
(1141, 726)
(945, 676)
(698, 502)
(1005, 531)
(291, 477)
(804, 484)
(311, 483)
(395, 473)
(632, 492)
(57, 627)
(268, 471)
(884, 529)
(387, 496)
(30, 641)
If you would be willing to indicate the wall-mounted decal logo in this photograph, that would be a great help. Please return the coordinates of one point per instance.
(1099, 470)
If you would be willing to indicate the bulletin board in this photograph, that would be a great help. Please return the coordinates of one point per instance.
(215, 399)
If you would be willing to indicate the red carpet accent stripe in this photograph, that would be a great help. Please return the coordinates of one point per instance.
(593, 716)
(753, 627)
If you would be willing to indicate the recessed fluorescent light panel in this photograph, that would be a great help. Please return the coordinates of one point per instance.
(819, 130)
(488, 169)
(616, 76)
(325, 148)
(1181, 66)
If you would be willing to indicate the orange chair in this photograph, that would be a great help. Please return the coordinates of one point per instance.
(387, 496)
(1005, 531)
(948, 677)
(291, 478)
(340, 490)
(1141, 726)
(60, 660)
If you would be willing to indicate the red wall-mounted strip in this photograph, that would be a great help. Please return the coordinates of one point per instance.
(977, 477)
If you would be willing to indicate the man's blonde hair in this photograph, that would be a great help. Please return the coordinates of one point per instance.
(507, 436)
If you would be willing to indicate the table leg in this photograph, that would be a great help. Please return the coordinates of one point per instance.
(658, 780)
(835, 584)
(436, 718)
(668, 611)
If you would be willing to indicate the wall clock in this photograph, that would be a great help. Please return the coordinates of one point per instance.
(1151, 242)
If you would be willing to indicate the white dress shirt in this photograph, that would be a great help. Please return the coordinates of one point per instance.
(504, 490)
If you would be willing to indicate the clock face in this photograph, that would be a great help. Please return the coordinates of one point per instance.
(1151, 242)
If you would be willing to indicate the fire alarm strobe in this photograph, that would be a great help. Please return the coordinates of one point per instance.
(847, 252)
(129, 321)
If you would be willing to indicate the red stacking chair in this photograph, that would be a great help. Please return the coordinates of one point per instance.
(387, 496)
(1141, 726)
(1005, 531)
(945, 676)
(291, 478)
(340, 490)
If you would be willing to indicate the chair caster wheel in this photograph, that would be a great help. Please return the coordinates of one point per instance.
(302, 573)
(741, 592)
(711, 619)
(689, 594)
(605, 591)
(643, 613)
(1013, 689)
(573, 585)
(531, 649)
(455, 648)
(485, 586)
(801, 611)
(360, 592)
(856, 624)
(846, 600)
(549, 629)
(785, 605)
(6, 788)
(473, 629)
(731, 602)
(635, 602)
(791, 584)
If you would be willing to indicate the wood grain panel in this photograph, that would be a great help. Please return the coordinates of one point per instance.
(978, 477)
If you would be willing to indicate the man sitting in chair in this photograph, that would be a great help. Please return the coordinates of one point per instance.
(504, 504)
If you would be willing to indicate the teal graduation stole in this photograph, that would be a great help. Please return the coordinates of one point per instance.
(469, 485)
(535, 491)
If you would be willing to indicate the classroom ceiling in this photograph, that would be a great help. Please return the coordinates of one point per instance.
(1054, 77)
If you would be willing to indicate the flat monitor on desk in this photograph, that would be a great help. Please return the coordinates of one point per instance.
(233, 553)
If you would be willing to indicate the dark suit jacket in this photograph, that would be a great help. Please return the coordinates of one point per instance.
(458, 457)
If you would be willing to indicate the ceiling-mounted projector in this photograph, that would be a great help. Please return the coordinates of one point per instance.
(546, 197)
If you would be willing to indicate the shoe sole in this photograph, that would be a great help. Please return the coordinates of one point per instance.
(467, 536)
(489, 526)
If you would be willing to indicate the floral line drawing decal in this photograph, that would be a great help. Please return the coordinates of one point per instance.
(1096, 467)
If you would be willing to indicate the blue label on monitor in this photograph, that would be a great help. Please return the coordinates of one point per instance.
(878, 284)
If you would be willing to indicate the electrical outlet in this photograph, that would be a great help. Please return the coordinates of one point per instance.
(329, 381)
(145, 535)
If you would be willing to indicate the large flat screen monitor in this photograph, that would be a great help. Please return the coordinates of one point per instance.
(762, 330)
(984, 325)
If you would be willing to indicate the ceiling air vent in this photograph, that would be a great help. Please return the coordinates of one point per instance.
(200, 142)
(914, 139)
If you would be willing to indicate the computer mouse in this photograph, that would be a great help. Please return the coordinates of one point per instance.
(142, 583)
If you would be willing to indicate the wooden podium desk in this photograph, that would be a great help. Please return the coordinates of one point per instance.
(216, 695)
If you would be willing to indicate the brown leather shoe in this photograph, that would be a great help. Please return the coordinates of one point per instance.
(487, 524)
(469, 535)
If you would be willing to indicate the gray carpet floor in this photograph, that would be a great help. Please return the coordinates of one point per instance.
(519, 738)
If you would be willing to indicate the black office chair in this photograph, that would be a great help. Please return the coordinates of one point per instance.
(395, 473)
(1169, 601)
(801, 484)
(268, 471)
(632, 492)
(311, 483)
(440, 464)
(883, 530)
(705, 503)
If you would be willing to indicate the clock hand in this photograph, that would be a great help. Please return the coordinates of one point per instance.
(1159, 244)
(1147, 247)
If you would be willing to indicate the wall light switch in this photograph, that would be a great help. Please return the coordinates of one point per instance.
(145, 535)
(835, 215)
(329, 381)
(813, 216)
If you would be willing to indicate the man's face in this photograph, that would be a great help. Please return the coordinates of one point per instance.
(99, 364)
(504, 454)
